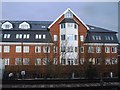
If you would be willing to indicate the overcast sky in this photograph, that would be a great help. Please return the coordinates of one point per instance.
(101, 14)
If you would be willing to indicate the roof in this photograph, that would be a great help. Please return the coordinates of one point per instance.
(101, 37)
(66, 20)
(73, 14)
(99, 30)
(34, 25)
(32, 36)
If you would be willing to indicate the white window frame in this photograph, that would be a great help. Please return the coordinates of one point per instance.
(107, 49)
(55, 61)
(18, 61)
(6, 49)
(90, 49)
(37, 49)
(114, 61)
(82, 60)
(107, 61)
(26, 49)
(6, 35)
(38, 36)
(55, 38)
(19, 36)
(82, 48)
(81, 38)
(44, 36)
(6, 61)
(18, 49)
(25, 61)
(98, 61)
(115, 49)
(38, 61)
(55, 49)
(26, 36)
(24, 25)
(45, 49)
(7, 24)
(98, 49)
(45, 61)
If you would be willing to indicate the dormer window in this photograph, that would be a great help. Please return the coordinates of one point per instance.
(68, 14)
(24, 25)
(7, 25)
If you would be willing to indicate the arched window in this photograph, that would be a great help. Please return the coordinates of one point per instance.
(7, 25)
(24, 25)
(68, 14)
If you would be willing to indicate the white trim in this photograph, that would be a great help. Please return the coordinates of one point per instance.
(73, 14)
(106, 44)
(16, 43)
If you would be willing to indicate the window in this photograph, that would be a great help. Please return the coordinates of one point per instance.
(26, 36)
(25, 61)
(55, 49)
(43, 26)
(75, 25)
(76, 61)
(38, 61)
(92, 60)
(82, 61)
(38, 36)
(108, 38)
(24, 25)
(45, 61)
(7, 25)
(0, 49)
(70, 49)
(81, 38)
(18, 49)
(37, 49)
(82, 49)
(55, 61)
(114, 61)
(114, 49)
(98, 61)
(46, 49)
(6, 60)
(70, 61)
(108, 61)
(18, 61)
(55, 37)
(75, 49)
(6, 49)
(63, 48)
(112, 38)
(96, 37)
(26, 49)
(75, 37)
(18, 36)
(68, 14)
(90, 49)
(62, 37)
(98, 49)
(6, 35)
(44, 36)
(63, 61)
(62, 25)
(107, 49)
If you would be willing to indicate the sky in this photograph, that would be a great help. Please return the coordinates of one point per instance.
(101, 14)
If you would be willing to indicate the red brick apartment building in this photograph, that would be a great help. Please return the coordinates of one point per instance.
(57, 48)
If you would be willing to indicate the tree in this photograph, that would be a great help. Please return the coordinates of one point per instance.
(90, 71)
